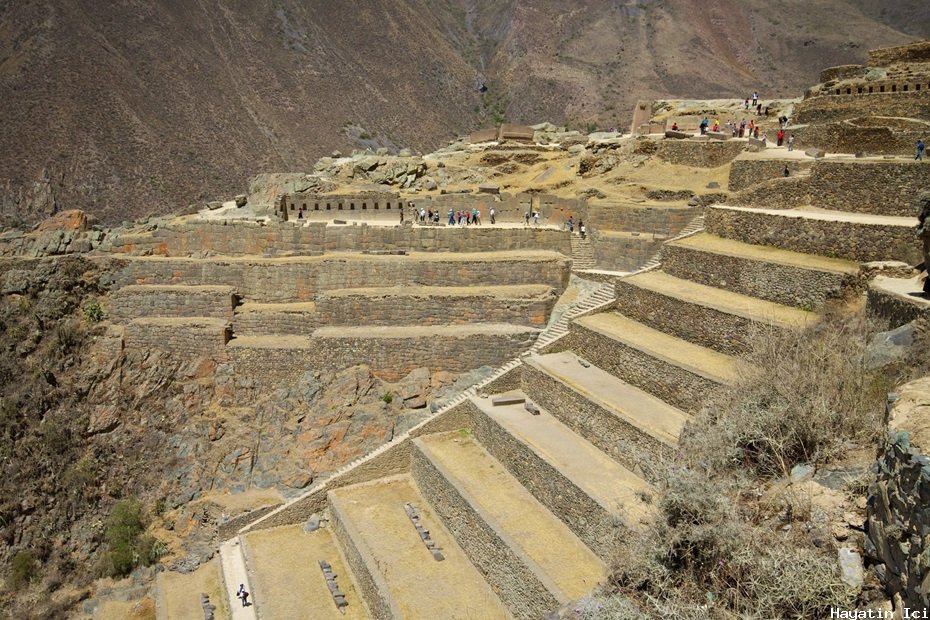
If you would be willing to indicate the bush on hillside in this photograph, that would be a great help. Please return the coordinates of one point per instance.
(800, 398)
(128, 546)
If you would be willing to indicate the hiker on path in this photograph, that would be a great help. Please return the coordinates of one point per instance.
(492, 216)
(920, 150)
(242, 595)
(780, 136)
(581, 228)
(790, 143)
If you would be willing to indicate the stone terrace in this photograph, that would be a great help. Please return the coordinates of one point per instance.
(525, 484)
(285, 300)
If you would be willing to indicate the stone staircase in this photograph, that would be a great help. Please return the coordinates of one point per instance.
(582, 254)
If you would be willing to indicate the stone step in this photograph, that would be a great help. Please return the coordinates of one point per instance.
(595, 496)
(708, 316)
(287, 584)
(179, 594)
(773, 274)
(681, 373)
(396, 573)
(852, 236)
(627, 423)
(532, 560)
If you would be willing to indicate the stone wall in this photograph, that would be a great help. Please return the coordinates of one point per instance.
(885, 187)
(184, 337)
(315, 238)
(832, 108)
(842, 72)
(814, 236)
(778, 193)
(617, 251)
(661, 220)
(432, 306)
(846, 137)
(298, 319)
(699, 154)
(132, 302)
(896, 540)
(789, 285)
(884, 56)
(895, 307)
(748, 172)
(390, 352)
(282, 280)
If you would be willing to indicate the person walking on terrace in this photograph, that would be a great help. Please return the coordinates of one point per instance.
(920, 150)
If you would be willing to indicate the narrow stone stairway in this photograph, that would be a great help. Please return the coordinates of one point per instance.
(582, 254)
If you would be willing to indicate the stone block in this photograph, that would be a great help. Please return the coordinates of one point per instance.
(677, 135)
(718, 135)
(815, 153)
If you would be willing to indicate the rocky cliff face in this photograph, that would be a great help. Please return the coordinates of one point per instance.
(83, 424)
(135, 108)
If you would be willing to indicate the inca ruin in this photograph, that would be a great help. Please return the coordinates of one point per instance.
(538, 372)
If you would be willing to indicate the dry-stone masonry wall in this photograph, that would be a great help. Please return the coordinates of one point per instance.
(390, 352)
(700, 154)
(186, 337)
(665, 220)
(283, 280)
(748, 172)
(314, 238)
(428, 306)
(618, 251)
(813, 236)
(882, 187)
(132, 302)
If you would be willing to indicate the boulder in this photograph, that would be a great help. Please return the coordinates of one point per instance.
(72, 219)
(889, 347)
(241, 199)
(815, 153)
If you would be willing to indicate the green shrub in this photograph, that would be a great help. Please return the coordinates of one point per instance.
(23, 568)
(94, 312)
(128, 545)
(388, 397)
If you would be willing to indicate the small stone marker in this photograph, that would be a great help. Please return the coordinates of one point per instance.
(423, 532)
(531, 407)
(339, 597)
(208, 607)
(501, 401)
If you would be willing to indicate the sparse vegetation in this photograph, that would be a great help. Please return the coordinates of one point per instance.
(94, 312)
(127, 544)
(387, 397)
(23, 568)
(716, 549)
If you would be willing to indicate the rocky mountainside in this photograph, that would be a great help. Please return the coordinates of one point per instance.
(133, 108)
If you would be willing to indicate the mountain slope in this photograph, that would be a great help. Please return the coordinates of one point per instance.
(133, 108)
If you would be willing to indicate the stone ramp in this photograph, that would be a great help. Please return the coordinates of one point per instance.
(850, 236)
(532, 560)
(395, 572)
(286, 577)
(178, 595)
(596, 497)
(772, 274)
(708, 316)
(620, 419)
(679, 372)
